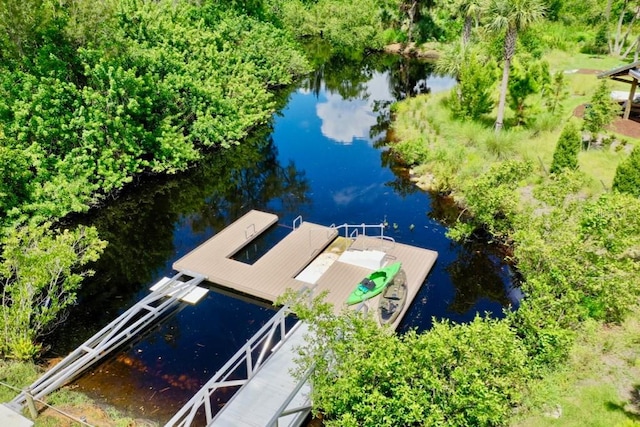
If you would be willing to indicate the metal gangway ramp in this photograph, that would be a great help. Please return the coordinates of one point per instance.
(159, 302)
(269, 394)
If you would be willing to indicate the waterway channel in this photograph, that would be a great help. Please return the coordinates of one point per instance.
(322, 157)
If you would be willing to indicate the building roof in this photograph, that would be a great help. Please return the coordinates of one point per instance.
(621, 72)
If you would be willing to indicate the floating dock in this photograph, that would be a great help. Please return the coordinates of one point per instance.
(290, 263)
(313, 257)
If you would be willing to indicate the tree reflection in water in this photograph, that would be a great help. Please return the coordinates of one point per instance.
(140, 225)
(475, 276)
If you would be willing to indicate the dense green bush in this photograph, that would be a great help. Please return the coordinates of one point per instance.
(601, 111)
(350, 26)
(627, 178)
(579, 258)
(40, 274)
(468, 374)
(413, 152)
(528, 77)
(473, 97)
(173, 79)
(566, 154)
(492, 200)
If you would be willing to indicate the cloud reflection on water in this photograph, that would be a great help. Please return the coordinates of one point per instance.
(347, 195)
(345, 120)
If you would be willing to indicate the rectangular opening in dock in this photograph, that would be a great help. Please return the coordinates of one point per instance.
(254, 250)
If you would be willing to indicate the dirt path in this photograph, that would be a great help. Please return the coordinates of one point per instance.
(630, 128)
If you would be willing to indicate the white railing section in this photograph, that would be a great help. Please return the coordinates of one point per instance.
(301, 410)
(112, 336)
(354, 230)
(268, 339)
(379, 241)
(351, 231)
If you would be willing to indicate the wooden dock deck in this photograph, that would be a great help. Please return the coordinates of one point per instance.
(269, 276)
(416, 263)
(276, 271)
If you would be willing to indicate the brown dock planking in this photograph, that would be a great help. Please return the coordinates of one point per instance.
(275, 271)
(269, 276)
(340, 279)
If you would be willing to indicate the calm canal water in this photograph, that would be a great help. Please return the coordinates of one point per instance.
(322, 157)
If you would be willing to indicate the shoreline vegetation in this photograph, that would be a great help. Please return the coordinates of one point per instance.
(427, 51)
(602, 361)
(95, 96)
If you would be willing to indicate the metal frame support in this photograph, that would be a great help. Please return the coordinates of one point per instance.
(262, 340)
(121, 330)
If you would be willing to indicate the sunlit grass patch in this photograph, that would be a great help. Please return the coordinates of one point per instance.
(16, 374)
(601, 165)
(596, 388)
(595, 405)
(559, 60)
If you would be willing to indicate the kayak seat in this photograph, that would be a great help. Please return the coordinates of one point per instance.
(367, 284)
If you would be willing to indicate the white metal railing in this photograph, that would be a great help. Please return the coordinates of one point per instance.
(301, 410)
(297, 221)
(269, 338)
(351, 231)
(354, 230)
(379, 240)
(116, 333)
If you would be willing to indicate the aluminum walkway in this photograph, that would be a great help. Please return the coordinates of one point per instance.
(261, 368)
(273, 396)
(165, 298)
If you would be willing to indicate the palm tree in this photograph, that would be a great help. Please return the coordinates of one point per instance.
(471, 10)
(510, 16)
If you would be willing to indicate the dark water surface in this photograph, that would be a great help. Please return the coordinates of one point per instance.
(323, 157)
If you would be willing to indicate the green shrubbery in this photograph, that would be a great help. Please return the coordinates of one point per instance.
(601, 111)
(350, 26)
(455, 374)
(566, 154)
(92, 96)
(174, 78)
(473, 97)
(492, 200)
(577, 254)
(627, 178)
(40, 274)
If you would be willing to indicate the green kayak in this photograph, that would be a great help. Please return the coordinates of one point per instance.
(374, 283)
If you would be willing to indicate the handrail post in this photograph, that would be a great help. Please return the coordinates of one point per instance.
(246, 234)
(249, 363)
(297, 220)
(30, 403)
